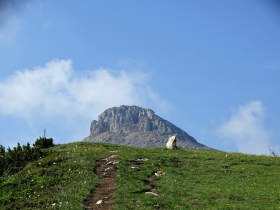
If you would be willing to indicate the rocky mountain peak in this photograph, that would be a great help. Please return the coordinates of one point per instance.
(136, 126)
(127, 119)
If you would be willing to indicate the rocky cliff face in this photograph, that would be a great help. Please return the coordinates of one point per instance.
(136, 126)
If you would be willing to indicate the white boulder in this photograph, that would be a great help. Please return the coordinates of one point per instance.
(171, 143)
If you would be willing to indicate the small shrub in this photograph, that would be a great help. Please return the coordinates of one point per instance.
(272, 152)
(44, 142)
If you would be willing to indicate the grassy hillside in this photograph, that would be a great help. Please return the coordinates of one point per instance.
(183, 179)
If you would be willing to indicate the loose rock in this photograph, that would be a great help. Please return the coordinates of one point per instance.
(151, 193)
(99, 202)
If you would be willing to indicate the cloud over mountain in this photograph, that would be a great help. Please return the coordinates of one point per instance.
(56, 89)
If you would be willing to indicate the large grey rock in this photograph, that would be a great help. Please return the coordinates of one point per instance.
(136, 126)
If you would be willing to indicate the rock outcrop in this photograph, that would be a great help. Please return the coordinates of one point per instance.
(136, 126)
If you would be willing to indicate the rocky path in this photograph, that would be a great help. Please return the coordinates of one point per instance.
(102, 195)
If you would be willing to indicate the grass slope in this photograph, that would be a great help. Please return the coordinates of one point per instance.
(188, 180)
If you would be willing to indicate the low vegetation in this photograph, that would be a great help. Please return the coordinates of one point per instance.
(43, 142)
(13, 160)
(182, 179)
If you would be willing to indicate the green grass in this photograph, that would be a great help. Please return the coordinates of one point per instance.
(191, 179)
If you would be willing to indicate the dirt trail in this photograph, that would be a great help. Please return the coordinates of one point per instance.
(102, 195)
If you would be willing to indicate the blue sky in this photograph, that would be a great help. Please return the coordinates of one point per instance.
(211, 68)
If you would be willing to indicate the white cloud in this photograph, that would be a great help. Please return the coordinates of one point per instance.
(246, 130)
(57, 90)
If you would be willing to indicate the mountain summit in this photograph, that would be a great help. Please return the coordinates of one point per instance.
(136, 126)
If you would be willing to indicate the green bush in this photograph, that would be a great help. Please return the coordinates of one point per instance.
(44, 142)
(13, 160)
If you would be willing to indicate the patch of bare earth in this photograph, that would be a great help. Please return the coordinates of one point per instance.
(102, 195)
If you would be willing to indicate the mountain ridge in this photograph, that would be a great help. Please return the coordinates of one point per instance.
(140, 127)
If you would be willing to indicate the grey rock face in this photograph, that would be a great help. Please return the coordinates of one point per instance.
(136, 126)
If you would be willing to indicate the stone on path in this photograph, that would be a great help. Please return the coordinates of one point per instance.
(99, 202)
